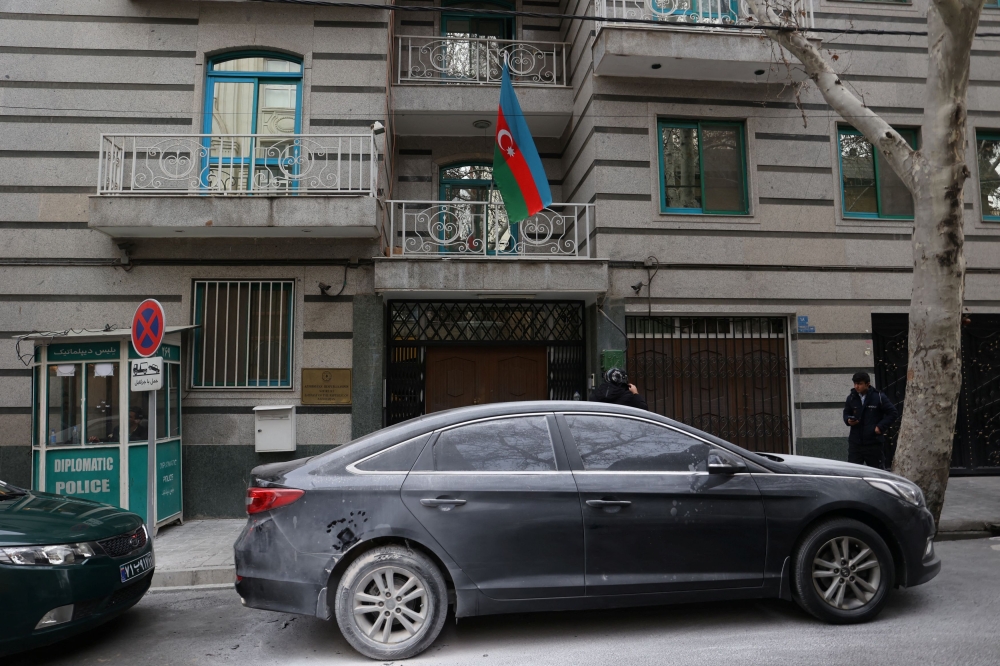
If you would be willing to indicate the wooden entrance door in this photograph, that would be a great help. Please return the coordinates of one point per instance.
(462, 376)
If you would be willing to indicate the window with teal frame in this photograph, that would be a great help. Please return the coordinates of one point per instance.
(475, 213)
(253, 103)
(988, 154)
(869, 187)
(703, 168)
(243, 337)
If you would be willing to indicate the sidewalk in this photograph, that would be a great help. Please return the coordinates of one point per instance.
(199, 553)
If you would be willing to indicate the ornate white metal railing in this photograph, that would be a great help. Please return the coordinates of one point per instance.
(479, 60)
(480, 229)
(701, 12)
(238, 164)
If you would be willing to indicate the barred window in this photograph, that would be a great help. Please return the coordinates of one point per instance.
(244, 334)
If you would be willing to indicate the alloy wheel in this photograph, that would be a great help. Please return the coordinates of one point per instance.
(846, 573)
(390, 606)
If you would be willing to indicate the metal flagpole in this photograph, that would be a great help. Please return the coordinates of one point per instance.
(151, 467)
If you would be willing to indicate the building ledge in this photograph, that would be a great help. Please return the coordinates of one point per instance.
(166, 216)
(492, 277)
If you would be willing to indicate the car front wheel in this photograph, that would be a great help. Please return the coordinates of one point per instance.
(843, 572)
(391, 603)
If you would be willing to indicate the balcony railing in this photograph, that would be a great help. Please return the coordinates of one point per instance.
(479, 60)
(238, 164)
(480, 229)
(700, 12)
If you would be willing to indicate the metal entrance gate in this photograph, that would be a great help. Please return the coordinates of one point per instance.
(412, 326)
(976, 449)
(727, 376)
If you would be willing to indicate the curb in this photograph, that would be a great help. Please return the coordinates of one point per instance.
(191, 578)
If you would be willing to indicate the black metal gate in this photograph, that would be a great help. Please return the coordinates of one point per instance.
(976, 449)
(725, 375)
(412, 326)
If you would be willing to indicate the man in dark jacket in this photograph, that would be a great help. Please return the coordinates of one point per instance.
(869, 413)
(616, 389)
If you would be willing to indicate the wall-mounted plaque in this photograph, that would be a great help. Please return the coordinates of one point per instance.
(326, 386)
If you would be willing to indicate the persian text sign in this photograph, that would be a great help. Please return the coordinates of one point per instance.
(147, 374)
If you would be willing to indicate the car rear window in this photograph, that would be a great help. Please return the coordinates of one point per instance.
(520, 444)
(398, 458)
(631, 445)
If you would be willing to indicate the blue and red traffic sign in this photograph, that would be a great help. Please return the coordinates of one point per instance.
(148, 325)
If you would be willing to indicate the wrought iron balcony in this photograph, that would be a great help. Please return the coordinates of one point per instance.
(238, 164)
(706, 13)
(480, 229)
(443, 60)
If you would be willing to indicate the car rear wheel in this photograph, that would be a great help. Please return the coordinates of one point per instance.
(843, 572)
(391, 603)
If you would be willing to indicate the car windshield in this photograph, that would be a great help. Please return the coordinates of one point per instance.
(8, 491)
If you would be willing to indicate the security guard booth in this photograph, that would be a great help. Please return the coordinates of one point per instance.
(90, 432)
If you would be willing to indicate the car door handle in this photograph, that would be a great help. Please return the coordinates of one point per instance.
(601, 503)
(442, 502)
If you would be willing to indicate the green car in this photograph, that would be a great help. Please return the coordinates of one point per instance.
(66, 565)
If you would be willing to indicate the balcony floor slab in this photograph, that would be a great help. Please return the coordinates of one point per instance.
(137, 216)
(701, 55)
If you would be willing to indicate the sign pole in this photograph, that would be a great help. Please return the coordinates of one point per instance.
(148, 326)
(151, 467)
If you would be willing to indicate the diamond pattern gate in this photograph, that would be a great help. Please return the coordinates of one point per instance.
(976, 448)
(727, 376)
(413, 326)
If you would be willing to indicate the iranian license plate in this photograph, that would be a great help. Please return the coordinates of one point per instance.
(137, 567)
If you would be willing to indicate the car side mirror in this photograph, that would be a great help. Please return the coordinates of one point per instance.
(721, 462)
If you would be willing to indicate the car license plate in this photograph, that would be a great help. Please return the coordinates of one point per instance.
(136, 567)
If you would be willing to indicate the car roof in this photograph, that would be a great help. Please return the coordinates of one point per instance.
(428, 423)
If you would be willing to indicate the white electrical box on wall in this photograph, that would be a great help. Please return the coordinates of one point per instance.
(274, 427)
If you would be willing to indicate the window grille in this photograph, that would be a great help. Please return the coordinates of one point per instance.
(244, 334)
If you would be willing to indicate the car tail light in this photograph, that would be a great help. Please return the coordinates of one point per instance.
(265, 499)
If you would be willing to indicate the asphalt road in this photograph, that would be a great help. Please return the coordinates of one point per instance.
(951, 620)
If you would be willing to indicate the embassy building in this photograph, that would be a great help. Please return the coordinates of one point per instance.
(308, 192)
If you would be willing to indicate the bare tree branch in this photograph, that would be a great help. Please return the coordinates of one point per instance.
(893, 147)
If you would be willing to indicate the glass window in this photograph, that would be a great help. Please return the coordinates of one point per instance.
(628, 445)
(161, 410)
(138, 416)
(702, 168)
(65, 405)
(174, 382)
(476, 204)
(102, 402)
(502, 445)
(398, 458)
(988, 151)
(252, 107)
(244, 338)
(36, 373)
(870, 187)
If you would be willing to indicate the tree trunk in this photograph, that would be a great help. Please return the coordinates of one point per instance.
(936, 176)
(934, 375)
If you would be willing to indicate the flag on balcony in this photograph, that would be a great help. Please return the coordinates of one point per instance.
(517, 170)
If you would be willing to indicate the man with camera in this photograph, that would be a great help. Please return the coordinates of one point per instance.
(616, 389)
(869, 414)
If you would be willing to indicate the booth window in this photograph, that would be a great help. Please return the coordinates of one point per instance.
(102, 402)
(702, 168)
(174, 384)
(869, 186)
(65, 405)
(244, 334)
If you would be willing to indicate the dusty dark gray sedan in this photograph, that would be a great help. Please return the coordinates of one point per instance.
(534, 506)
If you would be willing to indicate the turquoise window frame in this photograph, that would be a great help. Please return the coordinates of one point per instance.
(985, 136)
(198, 338)
(477, 182)
(663, 123)
(510, 23)
(256, 78)
(846, 130)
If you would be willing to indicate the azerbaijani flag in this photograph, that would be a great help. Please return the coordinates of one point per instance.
(517, 170)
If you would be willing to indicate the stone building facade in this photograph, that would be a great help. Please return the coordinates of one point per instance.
(717, 228)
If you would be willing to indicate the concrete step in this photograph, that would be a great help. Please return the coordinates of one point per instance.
(194, 577)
